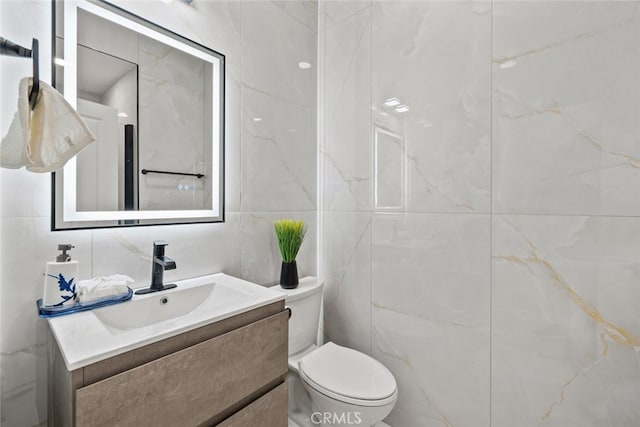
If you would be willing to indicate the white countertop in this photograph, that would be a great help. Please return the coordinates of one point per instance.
(84, 338)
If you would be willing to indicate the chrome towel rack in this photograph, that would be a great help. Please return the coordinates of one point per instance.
(9, 48)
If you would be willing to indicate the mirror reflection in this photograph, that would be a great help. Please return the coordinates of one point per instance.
(107, 101)
(155, 107)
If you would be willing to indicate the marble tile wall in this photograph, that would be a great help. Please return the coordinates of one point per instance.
(501, 288)
(565, 106)
(278, 142)
(565, 329)
(565, 333)
(270, 173)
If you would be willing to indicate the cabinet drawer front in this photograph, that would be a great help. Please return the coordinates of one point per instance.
(269, 410)
(193, 385)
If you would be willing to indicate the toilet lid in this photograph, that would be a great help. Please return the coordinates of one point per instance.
(347, 372)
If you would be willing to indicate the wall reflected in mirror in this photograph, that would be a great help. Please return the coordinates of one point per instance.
(107, 100)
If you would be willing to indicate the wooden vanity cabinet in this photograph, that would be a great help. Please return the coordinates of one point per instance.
(229, 373)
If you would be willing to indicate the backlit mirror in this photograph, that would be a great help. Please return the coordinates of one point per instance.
(155, 101)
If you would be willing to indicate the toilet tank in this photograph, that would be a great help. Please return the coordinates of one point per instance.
(304, 302)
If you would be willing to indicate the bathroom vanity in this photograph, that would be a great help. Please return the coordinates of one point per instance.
(220, 361)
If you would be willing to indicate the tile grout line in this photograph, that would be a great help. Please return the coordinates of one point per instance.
(491, 217)
(370, 23)
(488, 213)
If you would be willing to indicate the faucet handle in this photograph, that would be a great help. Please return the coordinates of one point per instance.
(160, 243)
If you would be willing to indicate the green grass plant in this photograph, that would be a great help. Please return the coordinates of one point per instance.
(290, 235)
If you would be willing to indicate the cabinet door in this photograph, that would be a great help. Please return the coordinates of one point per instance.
(268, 411)
(191, 386)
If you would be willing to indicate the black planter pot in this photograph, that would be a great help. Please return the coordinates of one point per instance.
(289, 275)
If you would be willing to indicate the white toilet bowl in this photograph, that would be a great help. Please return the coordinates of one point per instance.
(346, 387)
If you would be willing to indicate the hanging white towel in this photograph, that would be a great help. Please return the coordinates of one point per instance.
(44, 139)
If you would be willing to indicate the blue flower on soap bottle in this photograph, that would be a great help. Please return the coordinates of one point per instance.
(65, 287)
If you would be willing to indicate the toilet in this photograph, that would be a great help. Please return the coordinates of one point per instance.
(331, 385)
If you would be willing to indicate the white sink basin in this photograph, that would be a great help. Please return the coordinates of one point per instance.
(161, 306)
(91, 336)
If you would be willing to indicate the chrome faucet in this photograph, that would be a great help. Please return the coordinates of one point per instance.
(159, 264)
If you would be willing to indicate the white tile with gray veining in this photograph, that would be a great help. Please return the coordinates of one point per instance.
(278, 108)
(305, 11)
(566, 100)
(232, 143)
(276, 135)
(565, 321)
(430, 297)
(26, 246)
(347, 276)
(24, 195)
(444, 81)
(198, 249)
(24, 388)
(270, 64)
(346, 149)
(335, 11)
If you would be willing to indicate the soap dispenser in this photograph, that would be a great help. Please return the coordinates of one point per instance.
(60, 280)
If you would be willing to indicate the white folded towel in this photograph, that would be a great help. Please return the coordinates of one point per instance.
(44, 139)
(102, 287)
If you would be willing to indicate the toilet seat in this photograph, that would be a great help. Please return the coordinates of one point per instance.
(347, 375)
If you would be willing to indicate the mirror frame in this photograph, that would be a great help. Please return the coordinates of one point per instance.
(64, 215)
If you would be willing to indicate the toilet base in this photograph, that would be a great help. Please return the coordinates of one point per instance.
(294, 424)
(328, 412)
(305, 412)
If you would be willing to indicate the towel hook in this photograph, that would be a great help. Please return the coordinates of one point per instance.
(7, 47)
(35, 88)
